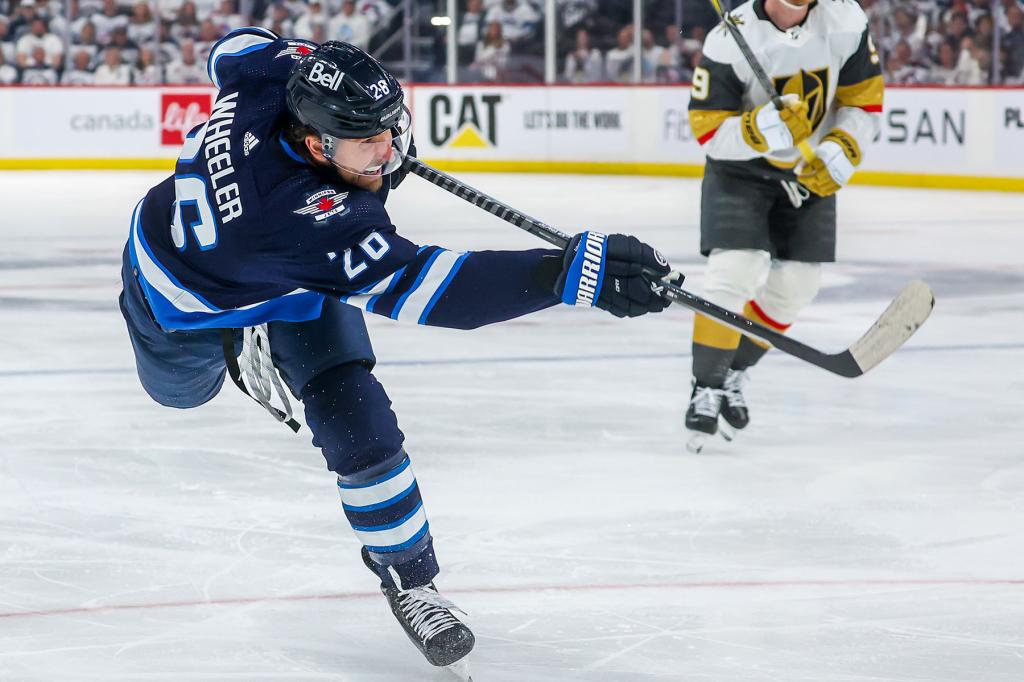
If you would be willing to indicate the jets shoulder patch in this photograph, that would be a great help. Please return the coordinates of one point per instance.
(323, 204)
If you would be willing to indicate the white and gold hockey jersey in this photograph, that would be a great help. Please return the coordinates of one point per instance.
(828, 60)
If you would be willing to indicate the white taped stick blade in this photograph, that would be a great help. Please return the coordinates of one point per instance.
(901, 319)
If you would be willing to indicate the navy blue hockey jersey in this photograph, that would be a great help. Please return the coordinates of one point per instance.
(246, 231)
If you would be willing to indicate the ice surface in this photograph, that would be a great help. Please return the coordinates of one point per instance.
(860, 530)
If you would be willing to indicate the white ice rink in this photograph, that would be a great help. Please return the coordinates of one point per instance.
(862, 530)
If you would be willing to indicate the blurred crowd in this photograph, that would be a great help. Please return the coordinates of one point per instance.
(148, 42)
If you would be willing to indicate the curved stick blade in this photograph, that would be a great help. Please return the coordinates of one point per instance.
(901, 319)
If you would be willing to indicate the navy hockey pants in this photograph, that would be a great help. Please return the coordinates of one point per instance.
(327, 364)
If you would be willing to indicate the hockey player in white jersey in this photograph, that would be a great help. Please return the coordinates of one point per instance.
(768, 217)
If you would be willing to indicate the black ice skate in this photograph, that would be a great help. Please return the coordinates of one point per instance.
(429, 621)
(734, 406)
(702, 415)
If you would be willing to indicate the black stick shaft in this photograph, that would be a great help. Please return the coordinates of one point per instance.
(842, 363)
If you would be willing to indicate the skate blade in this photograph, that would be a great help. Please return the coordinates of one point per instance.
(727, 431)
(697, 442)
(459, 670)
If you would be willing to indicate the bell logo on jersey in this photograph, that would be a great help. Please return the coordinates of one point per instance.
(811, 87)
(180, 113)
(323, 204)
(329, 79)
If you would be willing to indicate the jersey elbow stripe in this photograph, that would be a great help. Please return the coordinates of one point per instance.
(866, 95)
(706, 122)
(432, 280)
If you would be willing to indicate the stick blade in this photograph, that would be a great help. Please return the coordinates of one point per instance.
(901, 319)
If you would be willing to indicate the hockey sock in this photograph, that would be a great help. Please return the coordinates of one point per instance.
(386, 512)
(714, 346)
(750, 350)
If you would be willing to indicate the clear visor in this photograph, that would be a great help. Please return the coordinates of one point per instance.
(378, 155)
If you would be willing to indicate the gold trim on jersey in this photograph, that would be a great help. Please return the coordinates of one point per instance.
(811, 87)
(866, 94)
(706, 121)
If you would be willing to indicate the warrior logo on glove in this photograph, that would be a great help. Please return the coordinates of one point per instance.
(616, 273)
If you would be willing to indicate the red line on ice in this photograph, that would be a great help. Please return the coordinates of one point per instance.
(725, 584)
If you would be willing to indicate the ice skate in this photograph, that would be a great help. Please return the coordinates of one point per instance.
(734, 405)
(702, 416)
(430, 622)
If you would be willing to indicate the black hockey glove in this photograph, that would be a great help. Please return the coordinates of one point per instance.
(606, 271)
(398, 175)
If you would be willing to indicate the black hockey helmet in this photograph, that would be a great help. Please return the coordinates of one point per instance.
(343, 93)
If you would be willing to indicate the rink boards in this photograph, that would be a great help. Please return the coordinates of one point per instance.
(969, 138)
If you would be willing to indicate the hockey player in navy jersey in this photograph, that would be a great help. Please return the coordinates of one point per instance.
(273, 229)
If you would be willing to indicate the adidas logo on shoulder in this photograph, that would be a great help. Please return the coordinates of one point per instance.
(248, 142)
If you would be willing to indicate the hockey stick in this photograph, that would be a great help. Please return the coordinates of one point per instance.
(759, 72)
(899, 321)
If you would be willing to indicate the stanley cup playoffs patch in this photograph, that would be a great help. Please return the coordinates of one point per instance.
(585, 275)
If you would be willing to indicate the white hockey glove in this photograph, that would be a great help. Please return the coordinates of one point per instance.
(835, 161)
(766, 129)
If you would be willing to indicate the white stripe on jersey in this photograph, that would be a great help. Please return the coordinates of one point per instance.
(419, 297)
(179, 297)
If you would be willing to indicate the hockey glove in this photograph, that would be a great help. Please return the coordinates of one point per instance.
(766, 129)
(835, 161)
(607, 272)
(398, 175)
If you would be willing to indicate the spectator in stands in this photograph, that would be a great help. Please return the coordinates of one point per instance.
(38, 71)
(6, 40)
(40, 37)
(186, 24)
(87, 41)
(113, 70)
(142, 26)
(146, 71)
(983, 30)
(651, 56)
(969, 70)
(8, 74)
(186, 70)
(209, 34)
(492, 53)
(278, 19)
(106, 21)
(24, 15)
(518, 20)
(669, 67)
(227, 18)
(167, 47)
(350, 26)
(1013, 43)
(319, 33)
(80, 72)
(956, 26)
(618, 63)
(469, 30)
(584, 64)
(907, 28)
(314, 15)
(129, 51)
(944, 72)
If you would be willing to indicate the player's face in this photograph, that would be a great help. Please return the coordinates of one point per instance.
(366, 156)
